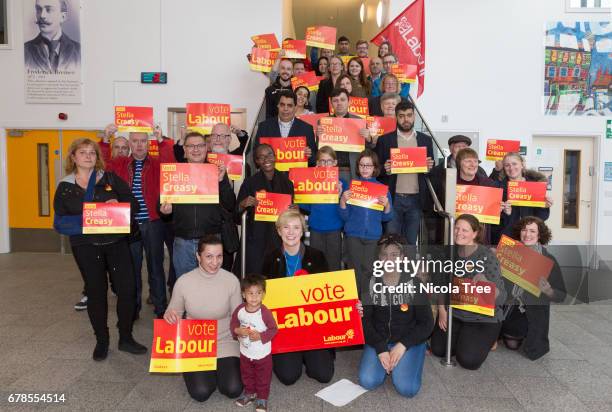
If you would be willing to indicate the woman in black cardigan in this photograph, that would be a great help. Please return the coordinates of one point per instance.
(527, 317)
(294, 258)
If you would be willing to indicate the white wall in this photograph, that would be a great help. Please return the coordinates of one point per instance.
(485, 65)
(201, 44)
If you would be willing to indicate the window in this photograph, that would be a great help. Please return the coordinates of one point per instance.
(552, 71)
(576, 71)
(588, 6)
(4, 27)
(563, 72)
(571, 188)
(44, 197)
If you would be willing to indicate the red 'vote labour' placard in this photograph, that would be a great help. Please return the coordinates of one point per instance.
(315, 184)
(289, 151)
(315, 311)
(201, 117)
(190, 345)
(357, 106)
(106, 218)
(262, 60)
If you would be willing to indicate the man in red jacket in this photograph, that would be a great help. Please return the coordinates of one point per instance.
(141, 171)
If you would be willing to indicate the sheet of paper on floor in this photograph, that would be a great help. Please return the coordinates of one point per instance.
(341, 392)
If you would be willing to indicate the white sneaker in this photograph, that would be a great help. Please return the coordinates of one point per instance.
(81, 304)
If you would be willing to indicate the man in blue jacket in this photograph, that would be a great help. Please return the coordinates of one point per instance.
(408, 190)
(287, 125)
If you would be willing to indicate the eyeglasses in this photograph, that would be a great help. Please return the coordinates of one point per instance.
(220, 136)
(366, 166)
(200, 146)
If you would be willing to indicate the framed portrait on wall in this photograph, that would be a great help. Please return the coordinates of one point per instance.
(5, 20)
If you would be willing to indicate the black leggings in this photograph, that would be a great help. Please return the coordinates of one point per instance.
(514, 329)
(95, 261)
(319, 365)
(201, 385)
(471, 342)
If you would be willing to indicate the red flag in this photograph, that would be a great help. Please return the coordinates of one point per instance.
(406, 33)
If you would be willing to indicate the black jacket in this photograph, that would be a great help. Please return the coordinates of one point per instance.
(384, 323)
(537, 311)
(192, 221)
(37, 55)
(270, 128)
(326, 86)
(383, 150)
(69, 201)
(313, 261)
(437, 176)
(271, 99)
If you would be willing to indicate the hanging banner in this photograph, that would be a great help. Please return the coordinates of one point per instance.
(106, 218)
(497, 149)
(201, 117)
(484, 203)
(357, 106)
(477, 297)
(262, 60)
(309, 80)
(342, 134)
(234, 164)
(527, 193)
(189, 183)
(323, 37)
(270, 205)
(408, 160)
(405, 73)
(294, 49)
(51, 76)
(190, 345)
(266, 41)
(366, 194)
(315, 311)
(134, 119)
(522, 265)
(289, 151)
(381, 125)
(315, 184)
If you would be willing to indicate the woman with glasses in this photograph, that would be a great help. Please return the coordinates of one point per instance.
(324, 219)
(396, 325)
(261, 237)
(362, 225)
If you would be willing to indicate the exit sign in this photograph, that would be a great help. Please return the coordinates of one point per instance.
(154, 77)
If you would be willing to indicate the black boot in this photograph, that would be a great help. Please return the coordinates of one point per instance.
(128, 344)
(100, 351)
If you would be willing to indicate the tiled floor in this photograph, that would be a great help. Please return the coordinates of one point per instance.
(45, 347)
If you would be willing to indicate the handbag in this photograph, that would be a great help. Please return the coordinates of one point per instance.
(71, 225)
(229, 232)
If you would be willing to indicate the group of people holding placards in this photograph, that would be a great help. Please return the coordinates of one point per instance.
(360, 180)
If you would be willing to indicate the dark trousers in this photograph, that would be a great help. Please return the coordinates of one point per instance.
(153, 244)
(330, 243)
(319, 365)
(96, 261)
(406, 216)
(471, 342)
(82, 272)
(360, 255)
(256, 375)
(169, 242)
(201, 385)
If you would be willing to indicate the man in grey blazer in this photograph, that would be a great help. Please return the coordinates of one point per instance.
(52, 50)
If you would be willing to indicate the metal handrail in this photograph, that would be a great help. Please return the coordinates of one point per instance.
(243, 220)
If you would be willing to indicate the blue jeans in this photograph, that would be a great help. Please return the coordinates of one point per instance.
(152, 242)
(406, 216)
(184, 259)
(406, 375)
